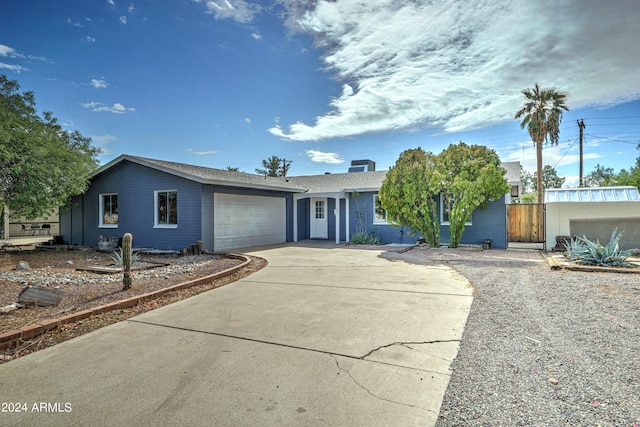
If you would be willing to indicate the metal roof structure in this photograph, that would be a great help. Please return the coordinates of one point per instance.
(594, 194)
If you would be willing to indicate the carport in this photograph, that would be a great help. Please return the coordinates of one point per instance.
(594, 213)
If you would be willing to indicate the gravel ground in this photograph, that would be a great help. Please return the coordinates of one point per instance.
(82, 289)
(543, 347)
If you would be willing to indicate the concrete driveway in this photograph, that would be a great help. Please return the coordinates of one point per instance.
(324, 335)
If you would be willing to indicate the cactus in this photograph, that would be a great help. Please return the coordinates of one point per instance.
(127, 240)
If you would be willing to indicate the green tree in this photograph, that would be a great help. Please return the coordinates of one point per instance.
(232, 169)
(409, 192)
(529, 198)
(600, 177)
(274, 166)
(541, 115)
(41, 165)
(526, 180)
(550, 178)
(630, 176)
(473, 177)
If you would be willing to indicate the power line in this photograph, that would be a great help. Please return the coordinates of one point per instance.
(565, 153)
(614, 139)
(608, 118)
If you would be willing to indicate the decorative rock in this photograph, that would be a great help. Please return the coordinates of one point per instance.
(70, 262)
(23, 265)
(42, 297)
(9, 308)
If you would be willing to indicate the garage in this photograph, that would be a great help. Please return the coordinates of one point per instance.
(241, 221)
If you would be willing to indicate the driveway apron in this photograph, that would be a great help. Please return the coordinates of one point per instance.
(324, 335)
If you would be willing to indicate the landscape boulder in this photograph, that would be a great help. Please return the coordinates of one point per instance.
(40, 296)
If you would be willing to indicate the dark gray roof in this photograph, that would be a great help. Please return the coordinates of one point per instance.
(207, 175)
(315, 184)
(337, 182)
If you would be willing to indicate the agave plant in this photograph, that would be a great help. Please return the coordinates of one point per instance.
(117, 257)
(583, 251)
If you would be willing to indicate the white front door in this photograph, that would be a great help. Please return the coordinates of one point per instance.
(319, 223)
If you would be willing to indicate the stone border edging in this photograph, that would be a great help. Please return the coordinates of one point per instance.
(11, 338)
(555, 263)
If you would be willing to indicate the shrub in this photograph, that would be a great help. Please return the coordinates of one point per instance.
(366, 238)
(583, 251)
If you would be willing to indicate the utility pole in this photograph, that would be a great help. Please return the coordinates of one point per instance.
(581, 125)
(285, 166)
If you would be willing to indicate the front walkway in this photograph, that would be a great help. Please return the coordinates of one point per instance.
(324, 335)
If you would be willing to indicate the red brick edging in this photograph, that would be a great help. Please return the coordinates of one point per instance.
(12, 338)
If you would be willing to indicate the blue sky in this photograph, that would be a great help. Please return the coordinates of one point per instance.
(231, 82)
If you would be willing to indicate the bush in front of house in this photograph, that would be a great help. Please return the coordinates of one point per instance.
(366, 238)
(583, 251)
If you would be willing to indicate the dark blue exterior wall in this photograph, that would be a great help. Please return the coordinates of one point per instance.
(361, 216)
(490, 223)
(304, 218)
(135, 186)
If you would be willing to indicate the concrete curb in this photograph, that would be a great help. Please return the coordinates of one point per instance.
(12, 338)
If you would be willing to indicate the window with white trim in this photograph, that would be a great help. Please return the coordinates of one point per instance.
(109, 210)
(379, 214)
(444, 212)
(166, 208)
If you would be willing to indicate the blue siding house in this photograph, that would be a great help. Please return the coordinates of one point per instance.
(168, 205)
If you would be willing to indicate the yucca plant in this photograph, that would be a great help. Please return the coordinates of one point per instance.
(583, 251)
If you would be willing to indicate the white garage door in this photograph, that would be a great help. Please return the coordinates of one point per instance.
(242, 221)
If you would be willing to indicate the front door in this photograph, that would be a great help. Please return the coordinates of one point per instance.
(319, 223)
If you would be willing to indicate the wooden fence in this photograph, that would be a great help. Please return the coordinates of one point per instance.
(525, 223)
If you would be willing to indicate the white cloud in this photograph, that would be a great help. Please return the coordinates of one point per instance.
(74, 24)
(320, 157)
(238, 10)
(90, 39)
(460, 66)
(99, 84)
(131, 8)
(201, 153)
(123, 20)
(7, 51)
(247, 119)
(256, 36)
(15, 68)
(100, 106)
(111, 2)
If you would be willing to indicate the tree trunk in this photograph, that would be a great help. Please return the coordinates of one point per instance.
(539, 167)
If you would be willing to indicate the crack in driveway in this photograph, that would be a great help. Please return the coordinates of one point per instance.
(315, 350)
(405, 344)
(370, 393)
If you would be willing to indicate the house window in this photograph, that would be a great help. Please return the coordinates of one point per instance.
(166, 207)
(445, 209)
(379, 214)
(319, 209)
(109, 210)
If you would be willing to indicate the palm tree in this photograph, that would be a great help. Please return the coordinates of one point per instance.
(542, 114)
